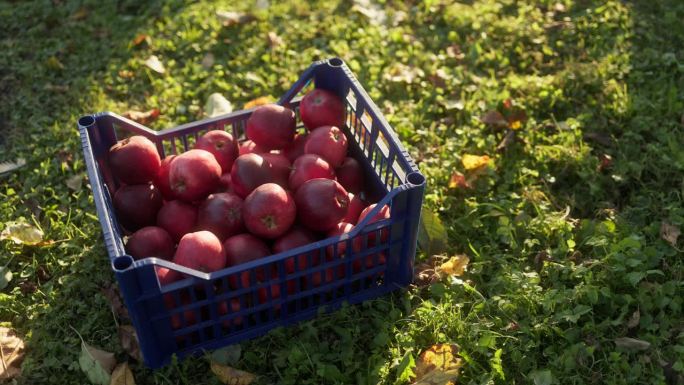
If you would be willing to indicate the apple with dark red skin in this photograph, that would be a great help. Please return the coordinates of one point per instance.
(221, 214)
(369, 262)
(166, 276)
(188, 317)
(339, 229)
(150, 241)
(350, 175)
(194, 174)
(356, 206)
(321, 204)
(243, 248)
(296, 148)
(225, 184)
(234, 308)
(309, 166)
(383, 213)
(177, 218)
(296, 237)
(249, 147)
(271, 127)
(252, 170)
(220, 144)
(329, 142)
(321, 108)
(201, 251)
(161, 180)
(137, 205)
(280, 168)
(269, 211)
(134, 160)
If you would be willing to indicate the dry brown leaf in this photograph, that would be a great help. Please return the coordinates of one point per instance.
(632, 344)
(142, 117)
(458, 181)
(439, 78)
(426, 273)
(494, 118)
(274, 40)
(75, 182)
(455, 266)
(473, 162)
(670, 233)
(11, 353)
(454, 51)
(122, 375)
(111, 293)
(141, 38)
(634, 319)
(260, 101)
(155, 64)
(506, 141)
(232, 376)
(438, 365)
(129, 341)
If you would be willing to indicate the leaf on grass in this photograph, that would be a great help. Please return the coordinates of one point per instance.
(80, 14)
(425, 273)
(632, 344)
(516, 118)
(208, 60)
(141, 38)
(438, 365)
(453, 104)
(473, 162)
(75, 182)
(274, 40)
(96, 364)
(230, 355)
(217, 105)
(374, 12)
(458, 181)
(506, 141)
(634, 319)
(5, 276)
(11, 354)
(154, 64)
(454, 51)
(129, 341)
(122, 375)
(401, 73)
(141, 117)
(229, 18)
(670, 233)
(232, 376)
(6, 167)
(112, 295)
(432, 235)
(22, 233)
(542, 377)
(54, 63)
(494, 118)
(260, 101)
(439, 78)
(455, 266)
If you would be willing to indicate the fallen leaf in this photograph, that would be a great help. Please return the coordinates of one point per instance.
(80, 14)
(27, 287)
(668, 232)
(22, 233)
(5, 276)
(632, 344)
(455, 266)
(473, 162)
(230, 355)
(217, 105)
(559, 7)
(374, 12)
(208, 60)
(229, 18)
(274, 40)
(154, 64)
(458, 181)
(11, 354)
(438, 365)
(454, 51)
(96, 364)
(634, 319)
(75, 182)
(111, 293)
(494, 118)
(260, 101)
(228, 375)
(141, 117)
(432, 235)
(506, 141)
(401, 73)
(128, 338)
(439, 78)
(54, 63)
(122, 375)
(425, 273)
(454, 104)
(516, 118)
(6, 167)
(141, 38)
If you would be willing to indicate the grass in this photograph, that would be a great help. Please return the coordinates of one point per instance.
(564, 252)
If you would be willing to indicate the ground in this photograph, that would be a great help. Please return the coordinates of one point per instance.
(563, 228)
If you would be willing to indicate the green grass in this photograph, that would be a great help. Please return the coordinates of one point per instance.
(563, 253)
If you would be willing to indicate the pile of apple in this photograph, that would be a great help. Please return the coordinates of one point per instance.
(225, 203)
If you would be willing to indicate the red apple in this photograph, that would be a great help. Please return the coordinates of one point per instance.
(220, 144)
(180, 319)
(321, 204)
(243, 248)
(350, 175)
(166, 276)
(150, 241)
(225, 184)
(177, 218)
(269, 211)
(280, 168)
(296, 237)
(356, 206)
(339, 229)
(134, 160)
(252, 170)
(221, 214)
(194, 174)
(383, 213)
(201, 251)
(249, 147)
(137, 205)
(271, 127)
(309, 166)
(234, 308)
(161, 180)
(296, 148)
(321, 108)
(329, 142)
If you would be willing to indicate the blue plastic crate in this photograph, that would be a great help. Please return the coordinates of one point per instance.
(204, 311)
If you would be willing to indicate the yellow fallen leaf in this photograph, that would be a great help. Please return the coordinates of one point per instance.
(515, 125)
(455, 266)
(458, 181)
(122, 375)
(232, 376)
(438, 365)
(22, 233)
(472, 162)
(260, 101)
